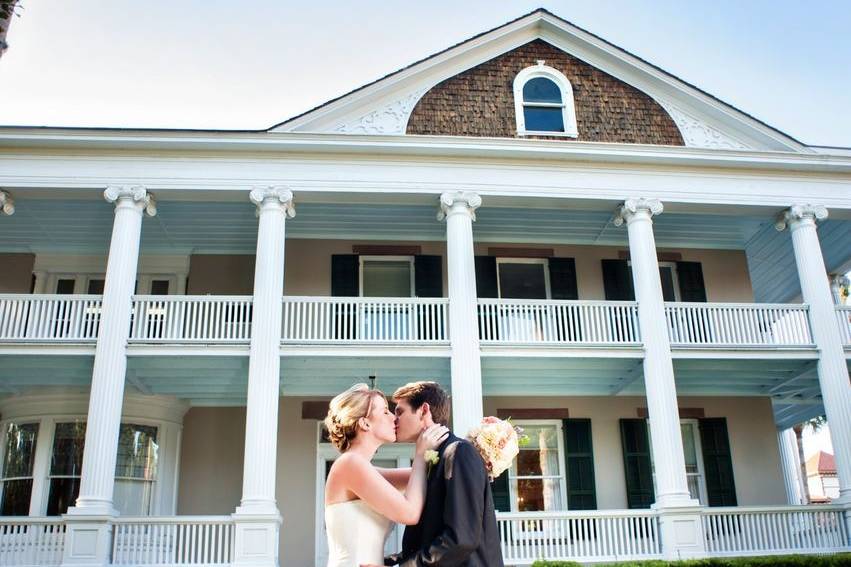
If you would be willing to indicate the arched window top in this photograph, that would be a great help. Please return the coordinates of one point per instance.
(543, 102)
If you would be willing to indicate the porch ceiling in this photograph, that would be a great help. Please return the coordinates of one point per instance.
(181, 227)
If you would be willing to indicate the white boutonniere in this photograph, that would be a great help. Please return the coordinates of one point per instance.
(431, 457)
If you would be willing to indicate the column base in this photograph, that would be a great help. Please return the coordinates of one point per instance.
(681, 531)
(88, 540)
(256, 538)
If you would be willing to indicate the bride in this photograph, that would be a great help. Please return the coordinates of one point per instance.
(361, 500)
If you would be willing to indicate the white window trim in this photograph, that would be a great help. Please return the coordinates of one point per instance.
(362, 259)
(567, 105)
(512, 471)
(674, 277)
(508, 260)
(698, 449)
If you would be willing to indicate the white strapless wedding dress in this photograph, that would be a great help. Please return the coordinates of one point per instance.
(356, 534)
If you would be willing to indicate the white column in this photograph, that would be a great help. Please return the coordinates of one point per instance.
(680, 523)
(791, 465)
(110, 365)
(832, 369)
(837, 282)
(88, 538)
(458, 209)
(258, 518)
(7, 203)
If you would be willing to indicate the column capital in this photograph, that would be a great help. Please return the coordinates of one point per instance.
(7, 203)
(798, 213)
(469, 200)
(631, 207)
(134, 193)
(278, 194)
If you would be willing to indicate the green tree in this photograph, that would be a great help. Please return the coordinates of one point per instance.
(7, 10)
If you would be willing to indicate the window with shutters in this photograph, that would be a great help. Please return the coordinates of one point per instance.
(543, 102)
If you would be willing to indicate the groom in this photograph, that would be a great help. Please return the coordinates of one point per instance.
(458, 524)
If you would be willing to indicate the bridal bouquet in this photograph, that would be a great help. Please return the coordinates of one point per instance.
(498, 442)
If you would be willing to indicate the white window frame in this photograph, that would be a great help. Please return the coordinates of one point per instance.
(568, 109)
(508, 260)
(325, 452)
(34, 474)
(703, 495)
(362, 259)
(674, 277)
(512, 471)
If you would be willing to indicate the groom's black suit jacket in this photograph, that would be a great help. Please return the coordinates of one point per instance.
(458, 524)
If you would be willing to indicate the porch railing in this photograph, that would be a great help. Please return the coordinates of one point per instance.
(588, 536)
(738, 324)
(49, 318)
(843, 317)
(365, 319)
(176, 540)
(774, 530)
(191, 318)
(558, 322)
(29, 541)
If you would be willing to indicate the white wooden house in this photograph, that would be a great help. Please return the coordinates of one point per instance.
(551, 227)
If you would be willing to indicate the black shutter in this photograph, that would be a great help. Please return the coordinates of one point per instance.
(345, 275)
(501, 494)
(617, 280)
(637, 464)
(563, 278)
(486, 286)
(717, 463)
(579, 460)
(690, 276)
(428, 276)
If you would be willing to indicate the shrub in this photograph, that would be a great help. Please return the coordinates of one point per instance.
(838, 560)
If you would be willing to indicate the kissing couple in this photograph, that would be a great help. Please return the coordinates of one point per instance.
(444, 499)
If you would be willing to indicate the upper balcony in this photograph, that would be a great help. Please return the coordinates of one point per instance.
(226, 320)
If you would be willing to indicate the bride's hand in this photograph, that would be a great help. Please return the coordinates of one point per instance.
(431, 438)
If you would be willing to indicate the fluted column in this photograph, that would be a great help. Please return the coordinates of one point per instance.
(274, 205)
(110, 365)
(458, 209)
(790, 465)
(679, 515)
(671, 480)
(7, 204)
(832, 369)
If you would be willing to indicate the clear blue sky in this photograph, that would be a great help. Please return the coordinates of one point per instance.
(250, 64)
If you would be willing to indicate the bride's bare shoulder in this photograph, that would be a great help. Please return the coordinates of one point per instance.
(350, 462)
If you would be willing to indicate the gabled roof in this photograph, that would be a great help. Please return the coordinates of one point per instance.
(704, 115)
(821, 463)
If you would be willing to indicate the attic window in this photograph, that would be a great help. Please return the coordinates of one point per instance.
(543, 102)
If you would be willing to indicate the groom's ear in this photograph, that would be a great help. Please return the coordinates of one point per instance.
(426, 410)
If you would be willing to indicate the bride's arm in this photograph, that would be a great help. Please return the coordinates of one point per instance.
(397, 477)
(370, 486)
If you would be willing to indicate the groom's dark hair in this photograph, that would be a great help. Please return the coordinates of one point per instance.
(419, 393)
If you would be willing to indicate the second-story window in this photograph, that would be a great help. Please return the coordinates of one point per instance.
(387, 276)
(543, 102)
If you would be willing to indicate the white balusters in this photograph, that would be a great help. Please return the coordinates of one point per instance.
(558, 322)
(31, 541)
(188, 318)
(178, 540)
(50, 318)
(775, 530)
(604, 535)
(371, 320)
(843, 318)
(739, 324)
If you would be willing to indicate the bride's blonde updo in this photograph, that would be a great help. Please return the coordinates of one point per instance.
(345, 410)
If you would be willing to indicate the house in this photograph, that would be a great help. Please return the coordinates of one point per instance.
(821, 478)
(552, 228)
